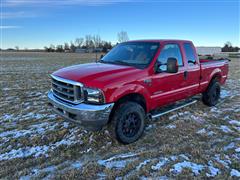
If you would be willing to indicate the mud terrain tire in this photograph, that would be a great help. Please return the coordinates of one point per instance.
(128, 122)
(211, 96)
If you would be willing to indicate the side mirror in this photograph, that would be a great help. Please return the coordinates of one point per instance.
(101, 56)
(172, 65)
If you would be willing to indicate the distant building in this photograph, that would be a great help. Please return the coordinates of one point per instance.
(80, 50)
(67, 50)
(208, 50)
(98, 49)
(89, 50)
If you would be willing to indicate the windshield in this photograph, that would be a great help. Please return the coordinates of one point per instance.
(137, 54)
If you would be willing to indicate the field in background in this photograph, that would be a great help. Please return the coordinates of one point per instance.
(196, 141)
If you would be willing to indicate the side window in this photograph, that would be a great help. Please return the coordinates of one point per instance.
(170, 50)
(190, 53)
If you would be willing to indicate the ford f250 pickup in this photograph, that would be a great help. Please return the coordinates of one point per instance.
(131, 82)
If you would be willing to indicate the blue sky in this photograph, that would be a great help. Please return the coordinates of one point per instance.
(39, 23)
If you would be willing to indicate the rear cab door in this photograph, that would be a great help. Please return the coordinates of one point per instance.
(192, 72)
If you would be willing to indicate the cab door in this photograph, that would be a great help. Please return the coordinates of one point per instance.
(168, 87)
(193, 69)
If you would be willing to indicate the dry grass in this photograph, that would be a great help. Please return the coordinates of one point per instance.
(35, 143)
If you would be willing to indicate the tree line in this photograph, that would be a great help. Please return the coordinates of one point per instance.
(90, 43)
(229, 48)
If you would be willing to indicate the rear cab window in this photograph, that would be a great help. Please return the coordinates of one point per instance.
(170, 51)
(190, 53)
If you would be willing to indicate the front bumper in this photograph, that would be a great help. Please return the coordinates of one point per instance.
(92, 117)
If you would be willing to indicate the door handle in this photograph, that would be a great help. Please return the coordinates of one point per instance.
(185, 74)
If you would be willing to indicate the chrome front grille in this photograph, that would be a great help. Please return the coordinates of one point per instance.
(67, 90)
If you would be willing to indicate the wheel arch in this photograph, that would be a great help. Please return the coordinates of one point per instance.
(216, 75)
(133, 97)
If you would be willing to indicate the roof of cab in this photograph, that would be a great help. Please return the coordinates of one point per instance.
(160, 40)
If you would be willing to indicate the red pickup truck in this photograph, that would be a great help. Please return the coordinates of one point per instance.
(132, 82)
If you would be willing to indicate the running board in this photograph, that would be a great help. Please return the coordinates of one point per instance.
(172, 108)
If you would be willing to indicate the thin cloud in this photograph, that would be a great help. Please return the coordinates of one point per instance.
(10, 27)
(13, 15)
(10, 3)
(29, 3)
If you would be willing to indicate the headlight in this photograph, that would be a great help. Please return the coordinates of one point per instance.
(93, 96)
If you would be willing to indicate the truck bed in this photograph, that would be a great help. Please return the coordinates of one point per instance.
(210, 67)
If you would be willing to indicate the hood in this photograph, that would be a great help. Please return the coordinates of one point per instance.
(97, 74)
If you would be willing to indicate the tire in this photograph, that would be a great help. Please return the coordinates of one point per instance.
(212, 94)
(128, 122)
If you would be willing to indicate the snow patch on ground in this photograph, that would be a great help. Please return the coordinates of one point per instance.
(150, 126)
(237, 150)
(178, 167)
(225, 129)
(173, 117)
(118, 161)
(33, 130)
(76, 165)
(229, 146)
(205, 132)
(144, 163)
(183, 113)
(235, 122)
(202, 131)
(51, 169)
(235, 172)
(216, 110)
(225, 93)
(171, 126)
(226, 162)
(28, 116)
(37, 151)
(160, 164)
(213, 171)
(101, 175)
(185, 163)
(164, 160)
(197, 118)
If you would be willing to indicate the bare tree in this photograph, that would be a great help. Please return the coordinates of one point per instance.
(228, 43)
(122, 36)
(59, 48)
(96, 40)
(229, 48)
(52, 48)
(66, 46)
(79, 42)
(88, 39)
(72, 47)
(17, 48)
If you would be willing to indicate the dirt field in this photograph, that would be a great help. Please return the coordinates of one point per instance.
(196, 141)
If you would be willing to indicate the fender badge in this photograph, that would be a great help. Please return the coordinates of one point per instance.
(148, 82)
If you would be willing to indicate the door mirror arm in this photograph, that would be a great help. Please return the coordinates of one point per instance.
(157, 68)
(193, 62)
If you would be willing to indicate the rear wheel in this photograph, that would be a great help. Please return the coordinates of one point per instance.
(128, 122)
(212, 94)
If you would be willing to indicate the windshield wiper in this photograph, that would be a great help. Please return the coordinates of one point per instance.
(122, 62)
(117, 62)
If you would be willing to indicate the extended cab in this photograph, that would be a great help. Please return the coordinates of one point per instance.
(130, 82)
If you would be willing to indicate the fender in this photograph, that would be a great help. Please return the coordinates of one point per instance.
(127, 89)
(216, 72)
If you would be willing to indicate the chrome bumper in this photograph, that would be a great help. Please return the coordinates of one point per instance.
(92, 117)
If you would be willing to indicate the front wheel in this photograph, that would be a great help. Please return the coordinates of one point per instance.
(212, 94)
(128, 122)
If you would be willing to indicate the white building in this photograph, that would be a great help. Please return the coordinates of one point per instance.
(208, 50)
